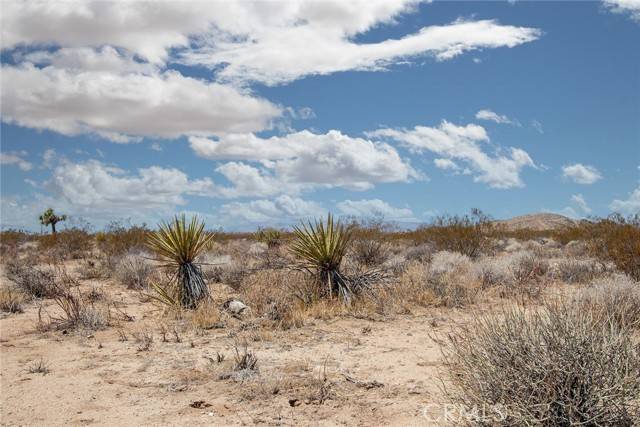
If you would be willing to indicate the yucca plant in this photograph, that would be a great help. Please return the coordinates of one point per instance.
(177, 244)
(321, 247)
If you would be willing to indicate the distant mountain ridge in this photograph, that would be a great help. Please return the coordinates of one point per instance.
(537, 221)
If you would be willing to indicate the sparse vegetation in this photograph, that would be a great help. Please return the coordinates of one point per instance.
(289, 292)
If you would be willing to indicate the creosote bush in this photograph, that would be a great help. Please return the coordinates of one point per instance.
(73, 243)
(119, 238)
(557, 366)
(467, 234)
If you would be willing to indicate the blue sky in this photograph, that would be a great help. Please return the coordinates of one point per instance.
(263, 114)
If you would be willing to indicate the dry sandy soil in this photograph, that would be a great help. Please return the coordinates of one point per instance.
(371, 371)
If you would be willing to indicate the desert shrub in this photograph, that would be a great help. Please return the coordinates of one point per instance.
(72, 243)
(615, 239)
(10, 241)
(451, 289)
(552, 367)
(449, 279)
(468, 234)
(420, 252)
(529, 276)
(11, 300)
(615, 298)
(33, 281)
(517, 274)
(133, 270)
(269, 236)
(444, 262)
(370, 252)
(618, 240)
(577, 270)
(89, 268)
(119, 238)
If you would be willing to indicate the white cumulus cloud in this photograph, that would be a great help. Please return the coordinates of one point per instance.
(15, 158)
(309, 159)
(629, 7)
(127, 106)
(281, 210)
(494, 117)
(581, 174)
(463, 143)
(94, 187)
(374, 208)
(581, 203)
(629, 206)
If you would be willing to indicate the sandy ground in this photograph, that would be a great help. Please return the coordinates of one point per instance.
(371, 371)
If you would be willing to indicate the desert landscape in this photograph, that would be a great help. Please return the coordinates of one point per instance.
(88, 337)
(319, 213)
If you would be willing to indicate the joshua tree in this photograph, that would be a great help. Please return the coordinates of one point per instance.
(321, 247)
(50, 218)
(177, 245)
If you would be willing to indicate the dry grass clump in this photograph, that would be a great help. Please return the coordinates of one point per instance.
(279, 296)
(134, 270)
(553, 367)
(11, 300)
(615, 298)
(79, 311)
(33, 281)
(225, 269)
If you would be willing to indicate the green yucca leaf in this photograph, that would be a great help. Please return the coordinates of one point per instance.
(321, 245)
(177, 243)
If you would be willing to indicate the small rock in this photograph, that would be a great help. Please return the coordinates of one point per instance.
(235, 306)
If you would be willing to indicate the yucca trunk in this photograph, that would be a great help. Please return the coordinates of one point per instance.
(192, 285)
(336, 284)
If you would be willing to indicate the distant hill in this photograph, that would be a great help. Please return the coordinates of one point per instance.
(538, 221)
